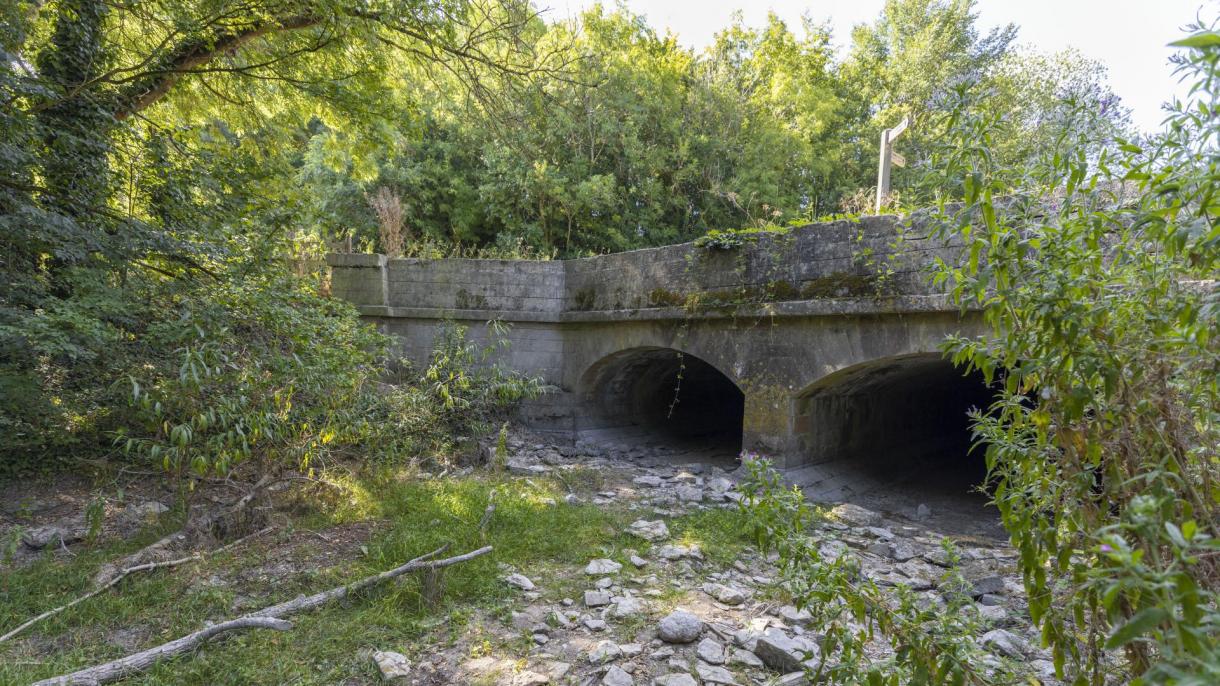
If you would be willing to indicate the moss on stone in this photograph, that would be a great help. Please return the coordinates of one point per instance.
(585, 299)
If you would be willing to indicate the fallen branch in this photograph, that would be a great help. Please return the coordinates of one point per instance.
(269, 617)
(119, 577)
(133, 664)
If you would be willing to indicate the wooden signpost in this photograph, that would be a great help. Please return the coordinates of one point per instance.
(889, 157)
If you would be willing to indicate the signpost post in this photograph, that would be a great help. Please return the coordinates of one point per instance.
(888, 157)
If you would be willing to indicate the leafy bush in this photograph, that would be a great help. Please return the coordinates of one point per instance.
(1095, 279)
(259, 368)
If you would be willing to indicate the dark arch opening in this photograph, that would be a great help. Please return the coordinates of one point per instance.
(895, 434)
(660, 397)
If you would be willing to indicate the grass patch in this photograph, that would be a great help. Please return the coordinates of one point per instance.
(551, 543)
(325, 645)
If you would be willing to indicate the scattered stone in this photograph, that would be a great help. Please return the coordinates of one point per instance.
(988, 585)
(520, 581)
(144, 513)
(993, 613)
(991, 599)
(676, 679)
(594, 624)
(596, 598)
(605, 651)
(680, 627)
(616, 676)
(638, 561)
(855, 515)
(602, 566)
(741, 656)
(40, 537)
(715, 675)
(631, 649)
(923, 512)
(791, 615)
(710, 651)
(782, 653)
(522, 469)
(690, 494)
(1006, 643)
(677, 552)
(649, 531)
(530, 679)
(392, 665)
(627, 607)
(881, 549)
(725, 594)
(647, 480)
(604, 583)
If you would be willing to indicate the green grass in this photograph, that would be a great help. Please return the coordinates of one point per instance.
(549, 543)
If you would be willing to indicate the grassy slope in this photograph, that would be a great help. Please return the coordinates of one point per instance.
(549, 543)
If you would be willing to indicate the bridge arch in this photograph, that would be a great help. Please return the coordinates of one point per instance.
(894, 425)
(662, 395)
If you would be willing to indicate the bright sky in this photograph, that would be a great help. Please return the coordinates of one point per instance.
(1128, 36)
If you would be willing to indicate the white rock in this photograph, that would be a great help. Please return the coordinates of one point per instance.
(791, 615)
(605, 651)
(649, 531)
(647, 480)
(596, 598)
(631, 649)
(602, 566)
(615, 676)
(520, 581)
(627, 607)
(725, 594)
(855, 515)
(638, 561)
(678, 679)
(715, 675)
(781, 652)
(690, 494)
(1006, 643)
(528, 678)
(680, 627)
(392, 665)
(739, 656)
(710, 651)
(677, 552)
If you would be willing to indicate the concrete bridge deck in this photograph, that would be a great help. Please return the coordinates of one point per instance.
(817, 347)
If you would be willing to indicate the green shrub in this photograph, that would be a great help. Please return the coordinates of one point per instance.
(1095, 279)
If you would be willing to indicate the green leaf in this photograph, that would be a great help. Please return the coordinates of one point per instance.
(1199, 41)
(1139, 624)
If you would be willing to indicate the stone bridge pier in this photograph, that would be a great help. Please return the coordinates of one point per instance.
(819, 346)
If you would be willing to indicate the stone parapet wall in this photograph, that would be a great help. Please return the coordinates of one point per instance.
(868, 258)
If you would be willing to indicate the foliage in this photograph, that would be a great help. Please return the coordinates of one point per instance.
(731, 239)
(260, 369)
(148, 157)
(643, 142)
(1094, 275)
(931, 644)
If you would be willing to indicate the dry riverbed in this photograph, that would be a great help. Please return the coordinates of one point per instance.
(612, 565)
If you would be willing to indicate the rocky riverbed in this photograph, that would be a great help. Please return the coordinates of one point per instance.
(665, 615)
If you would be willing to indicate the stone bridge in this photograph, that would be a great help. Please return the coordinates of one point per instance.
(812, 346)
